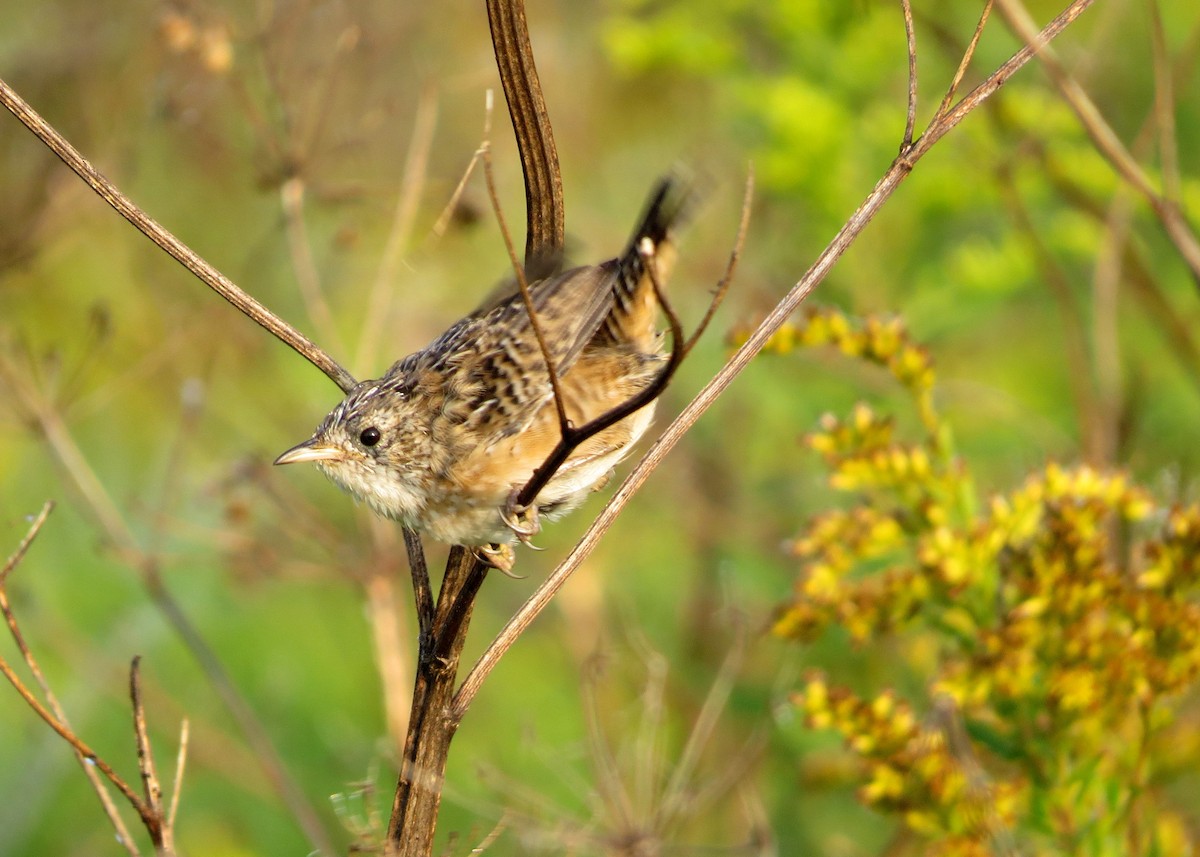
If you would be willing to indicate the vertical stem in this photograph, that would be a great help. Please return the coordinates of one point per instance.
(546, 234)
(434, 722)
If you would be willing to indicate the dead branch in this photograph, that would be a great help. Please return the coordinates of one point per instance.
(179, 251)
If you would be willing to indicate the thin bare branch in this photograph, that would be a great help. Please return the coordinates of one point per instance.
(1173, 221)
(735, 255)
(422, 591)
(938, 128)
(160, 834)
(965, 62)
(1164, 106)
(17, 555)
(910, 37)
(120, 534)
(89, 769)
(485, 151)
(573, 436)
(389, 630)
(180, 766)
(545, 234)
(183, 254)
(83, 750)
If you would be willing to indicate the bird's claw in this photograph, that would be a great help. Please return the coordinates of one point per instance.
(500, 557)
(522, 520)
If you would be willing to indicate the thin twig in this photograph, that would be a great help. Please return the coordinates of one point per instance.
(121, 536)
(180, 765)
(389, 631)
(83, 750)
(17, 555)
(1164, 107)
(89, 770)
(938, 128)
(726, 280)
(183, 254)
(573, 436)
(160, 834)
(564, 424)
(910, 37)
(422, 591)
(965, 62)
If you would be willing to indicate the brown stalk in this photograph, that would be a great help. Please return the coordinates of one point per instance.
(965, 62)
(160, 833)
(544, 210)
(52, 713)
(485, 155)
(910, 39)
(433, 722)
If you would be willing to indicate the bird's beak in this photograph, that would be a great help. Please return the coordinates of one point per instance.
(311, 450)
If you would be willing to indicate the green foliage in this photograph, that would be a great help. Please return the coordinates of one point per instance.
(1060, 622)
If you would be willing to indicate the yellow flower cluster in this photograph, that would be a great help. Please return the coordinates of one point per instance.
(1064, 619)
(916, 771)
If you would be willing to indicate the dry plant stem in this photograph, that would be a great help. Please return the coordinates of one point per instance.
(83, 750)
(910, 38)
(1176, 226)
(739, 242)
(422, 591)
(544, 211)
(89, 770)
(1164, 107)
(965, 62)
(55, 722)
(180, 765)
(121, 536)
(160, 833)
(433, 724)
(183, 254)
(485, 154)
(942, 124)
(389, 631)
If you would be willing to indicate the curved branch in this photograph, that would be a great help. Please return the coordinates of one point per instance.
(544, 210)
(183, 254)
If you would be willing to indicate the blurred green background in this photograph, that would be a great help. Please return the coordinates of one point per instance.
(1001, 252)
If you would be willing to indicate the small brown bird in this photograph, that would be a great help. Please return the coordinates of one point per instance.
(445, 440)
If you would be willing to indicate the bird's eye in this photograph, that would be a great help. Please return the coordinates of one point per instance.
(370, 436)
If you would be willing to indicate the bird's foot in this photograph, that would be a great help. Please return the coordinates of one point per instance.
(500, 557)
(522, 520)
